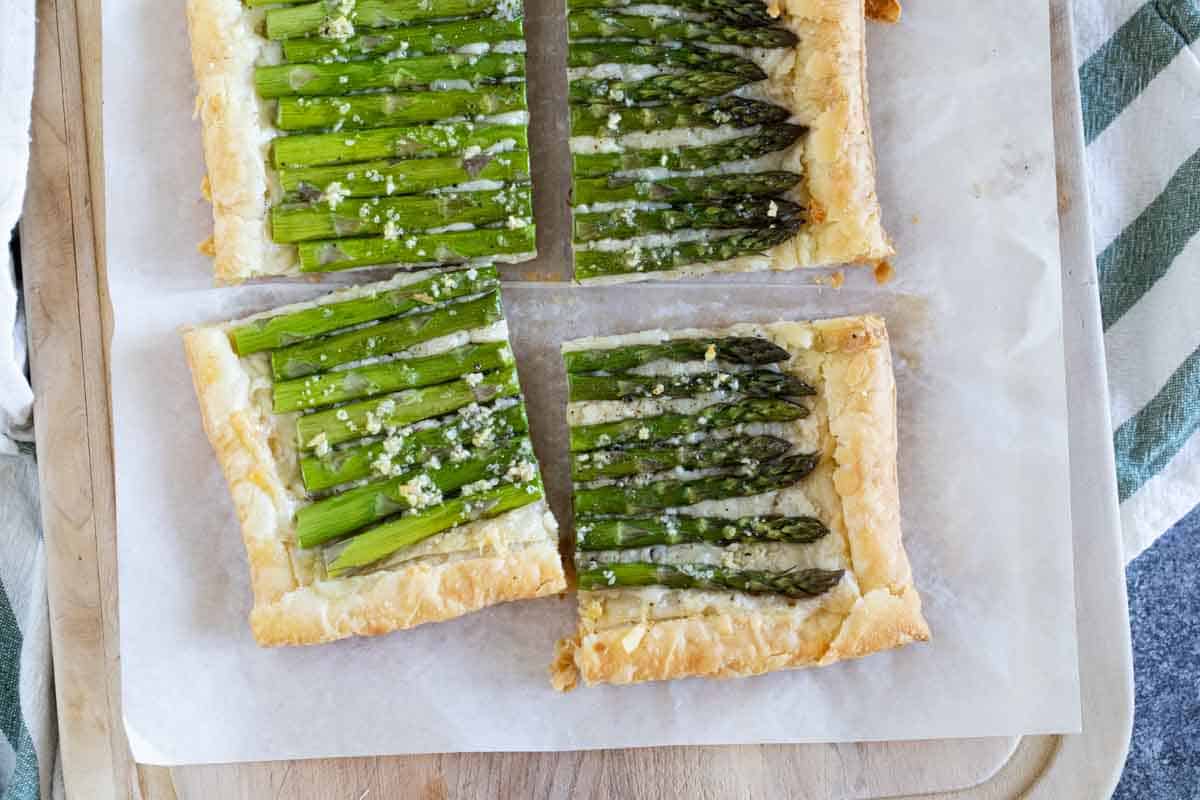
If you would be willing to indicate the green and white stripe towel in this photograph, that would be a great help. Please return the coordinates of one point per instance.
(1140, 83)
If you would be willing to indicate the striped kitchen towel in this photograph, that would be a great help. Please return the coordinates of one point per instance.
(1139, 78)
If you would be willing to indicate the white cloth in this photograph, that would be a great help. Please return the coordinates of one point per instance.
(16, 87)
(29, 739)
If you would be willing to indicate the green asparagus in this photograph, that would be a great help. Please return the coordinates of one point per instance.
(630, 497)
(372, 417)
(757, 383)
(748, 13)
(344, 513)
(384, 338)
(593, 54)
(658, 88)
(587, 191)
(483, 427)
(598, 263)
(419, 141)
(302, 222)
(635, 460)
(380, 542)
(280, 330)
(730, 349)
(623, 533)
(599, 119)
(376, 110)
(387, 178)
(284, 80)
(604, 25)
(429, 248)
(794, 583)
(626, 223)
(336, 19)
(769, 139)
(410, 40)
(667, 426)
(327, 388)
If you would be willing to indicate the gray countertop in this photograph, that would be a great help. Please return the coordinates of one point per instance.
(1164, 610)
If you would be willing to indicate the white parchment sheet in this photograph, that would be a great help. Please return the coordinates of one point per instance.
(961, 111)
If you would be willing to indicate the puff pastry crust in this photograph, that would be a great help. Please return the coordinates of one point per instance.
(823, 82)
(511, 557)
(236, 132)
(633, 635)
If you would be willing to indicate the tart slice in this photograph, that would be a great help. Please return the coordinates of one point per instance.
(736, 504)
(720, 135)
(377, 451)
(352, 133)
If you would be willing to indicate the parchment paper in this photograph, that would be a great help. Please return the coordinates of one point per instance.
(961, 114)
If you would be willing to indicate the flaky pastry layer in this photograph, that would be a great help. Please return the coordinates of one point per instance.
(875, 607)
(510, 557)
(225, 49)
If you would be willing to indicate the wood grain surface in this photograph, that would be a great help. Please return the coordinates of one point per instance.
(70, 327)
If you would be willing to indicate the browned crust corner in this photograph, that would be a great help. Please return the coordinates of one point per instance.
(888, 11)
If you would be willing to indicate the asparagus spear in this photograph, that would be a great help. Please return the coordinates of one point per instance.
(635, 460)
(611, 120)
(627, 497)
(658, 88)
(419, 141)
(736, 12)
(344, 513)
(268, 333)
(597, 263)
(730, 349)
(429, 248)
(284, 80)
(376, 178)
(626, 223)
(587, 191)
(767, 140)
(389, 336)
(378, 543)
(667, 426)
(592, 54)
(483, 428)
(604, 25)
(370, 417)
(301, 222)
(325, 17)
(796, 583)
(376, 110)
(327, 388)
(756, 383)
(409, 40)
(621, 533)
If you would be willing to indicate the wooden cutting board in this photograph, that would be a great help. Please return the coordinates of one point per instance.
(70, 325)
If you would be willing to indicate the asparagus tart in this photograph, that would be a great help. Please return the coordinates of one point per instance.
(377, 451)
(719, 135)
(353, 133)
(736, 508)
